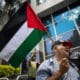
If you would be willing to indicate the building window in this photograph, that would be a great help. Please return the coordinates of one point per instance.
(78, 21)
(46, 20)
(67, 27)
(72, 36)
(41, 1)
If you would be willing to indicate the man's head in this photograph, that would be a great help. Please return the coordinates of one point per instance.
(62, 48)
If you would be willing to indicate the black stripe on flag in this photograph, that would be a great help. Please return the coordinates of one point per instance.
(12, 26)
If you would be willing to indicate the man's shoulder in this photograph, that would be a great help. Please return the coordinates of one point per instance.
(45, 64)
(47, 61)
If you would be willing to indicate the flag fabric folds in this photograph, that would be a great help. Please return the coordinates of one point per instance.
(20, 35)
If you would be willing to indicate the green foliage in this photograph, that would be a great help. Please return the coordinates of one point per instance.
(7, 70)
(17, 71)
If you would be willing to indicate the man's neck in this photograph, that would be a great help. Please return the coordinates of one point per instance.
(57, 58)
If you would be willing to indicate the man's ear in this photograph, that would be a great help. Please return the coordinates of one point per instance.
(55, 47)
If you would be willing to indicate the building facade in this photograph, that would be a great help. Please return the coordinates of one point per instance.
(62, 19)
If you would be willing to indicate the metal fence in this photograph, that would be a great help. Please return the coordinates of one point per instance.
(4, 79)
(22, 77)
(19, 77)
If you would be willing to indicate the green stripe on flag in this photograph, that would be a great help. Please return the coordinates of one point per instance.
(26, 47)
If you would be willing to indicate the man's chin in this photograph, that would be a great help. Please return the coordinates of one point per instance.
(67, 57)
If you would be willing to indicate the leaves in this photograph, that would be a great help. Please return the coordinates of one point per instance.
(6, 70)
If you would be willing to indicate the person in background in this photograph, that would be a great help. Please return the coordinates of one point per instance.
(32, 66)
(58, 67)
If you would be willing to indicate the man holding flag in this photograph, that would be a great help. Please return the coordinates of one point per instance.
(59, 67)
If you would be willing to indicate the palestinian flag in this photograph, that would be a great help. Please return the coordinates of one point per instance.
(20, 35)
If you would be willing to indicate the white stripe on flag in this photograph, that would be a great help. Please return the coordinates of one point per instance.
(15, 42)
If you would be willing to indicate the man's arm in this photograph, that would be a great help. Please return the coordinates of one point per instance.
(56, 76)
(64, 66)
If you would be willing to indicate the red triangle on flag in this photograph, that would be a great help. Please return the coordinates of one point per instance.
(33, 19)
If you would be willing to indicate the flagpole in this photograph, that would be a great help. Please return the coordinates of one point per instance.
(49, 36)
(54, 26)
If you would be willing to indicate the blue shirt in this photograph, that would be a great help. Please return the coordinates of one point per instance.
(50, 66)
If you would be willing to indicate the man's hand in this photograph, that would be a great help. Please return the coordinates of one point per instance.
(64, 65)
